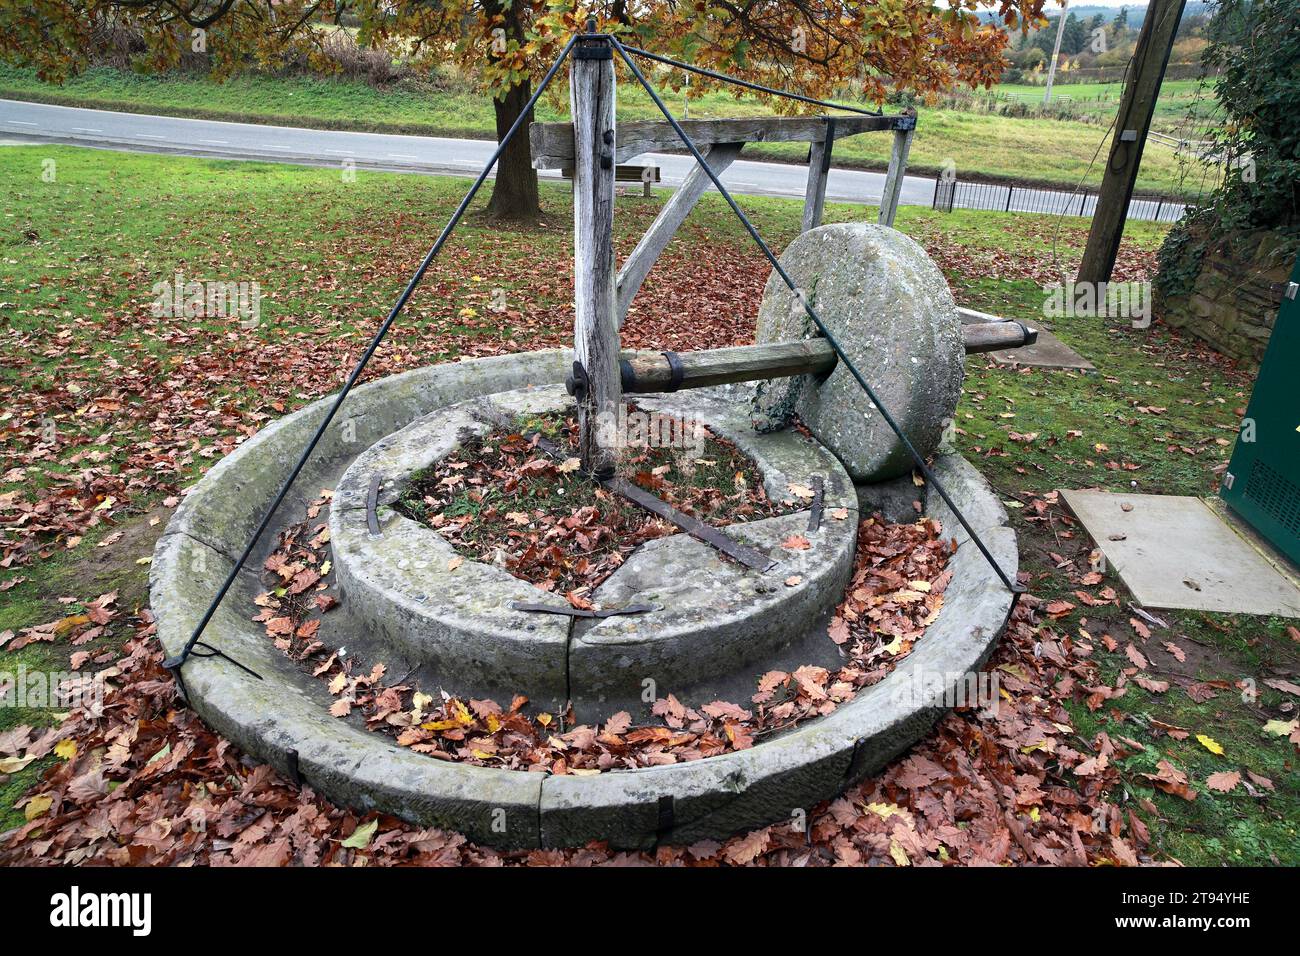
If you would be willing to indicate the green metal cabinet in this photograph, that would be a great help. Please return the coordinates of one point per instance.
(1262, 483)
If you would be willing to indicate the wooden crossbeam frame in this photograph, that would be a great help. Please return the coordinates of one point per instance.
(723, 140)
(552, 143)
(590, 148)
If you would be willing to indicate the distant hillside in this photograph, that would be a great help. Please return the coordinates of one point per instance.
(1136, 12)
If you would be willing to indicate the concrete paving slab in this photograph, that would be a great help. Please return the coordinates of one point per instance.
(1173, 551)
(1047, 352)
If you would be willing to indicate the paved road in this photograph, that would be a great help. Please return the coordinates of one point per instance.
(28, 122)
(407, 154)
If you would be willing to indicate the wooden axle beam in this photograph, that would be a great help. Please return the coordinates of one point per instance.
(645, 370)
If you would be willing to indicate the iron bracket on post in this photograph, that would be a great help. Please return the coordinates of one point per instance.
(576, 383)
(592, 45)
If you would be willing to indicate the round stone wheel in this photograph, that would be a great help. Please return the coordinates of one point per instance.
(889, 307)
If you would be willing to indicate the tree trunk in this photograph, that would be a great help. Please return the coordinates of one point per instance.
(514, 192)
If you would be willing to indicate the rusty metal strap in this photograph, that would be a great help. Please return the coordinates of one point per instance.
(676, 372)
(372, 502)
(655, 505)
(818, 503)
(579, 612)
(692, 526)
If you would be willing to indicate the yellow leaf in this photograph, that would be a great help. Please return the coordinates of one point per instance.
(899, 854)
(419, 704)
(493, 723)
(438, 725)
(38, 806)
(70, 623)
(66, 748)
(568, 465)
(1280, 728)
(360, 838)
(894, 646)
(544, 719)
(148, 560)
(1210, 744)
(455, 562)
(884, 810)
(325, 568)
(14, 764)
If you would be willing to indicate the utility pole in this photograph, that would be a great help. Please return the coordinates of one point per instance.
(1056, 52)
(1132, 124)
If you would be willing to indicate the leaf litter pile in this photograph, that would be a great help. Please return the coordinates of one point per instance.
(510, 500)
(896, 591)
(146, 782)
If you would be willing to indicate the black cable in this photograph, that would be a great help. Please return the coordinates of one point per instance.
(745, 83)
(812, 313)
(174, 664)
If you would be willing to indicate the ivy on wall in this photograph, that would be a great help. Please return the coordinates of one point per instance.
(1255, 47)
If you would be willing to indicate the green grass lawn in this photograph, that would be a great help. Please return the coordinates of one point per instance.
(981, 146)
(1179, 100)
(142, 405)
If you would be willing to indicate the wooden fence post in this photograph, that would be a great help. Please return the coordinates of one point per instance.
(595, 322)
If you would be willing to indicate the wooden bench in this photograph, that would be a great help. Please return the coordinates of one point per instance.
(645, 175)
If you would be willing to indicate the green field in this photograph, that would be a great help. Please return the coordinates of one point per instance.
(1178, 99)
(979, 145)
(151, 402)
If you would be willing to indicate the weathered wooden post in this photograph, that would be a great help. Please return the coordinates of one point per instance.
(819, 169)
(595, 322)
(893, 188)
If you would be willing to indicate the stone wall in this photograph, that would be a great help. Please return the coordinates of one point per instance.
(1236, 295)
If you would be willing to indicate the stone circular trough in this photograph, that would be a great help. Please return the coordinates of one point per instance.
(717, 625)
(711, 616)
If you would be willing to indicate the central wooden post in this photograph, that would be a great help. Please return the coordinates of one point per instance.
(595, 309)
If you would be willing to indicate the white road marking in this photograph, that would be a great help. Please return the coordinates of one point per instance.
(149, 136)
(20, 123)
(401, 156)
(219, 142)
(85, 129)
(273, 146)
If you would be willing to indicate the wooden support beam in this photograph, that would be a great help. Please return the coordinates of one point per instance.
(894, 178)
(552, 143)
(819, 168)
(645, 370)
(637, 265)
(1159, 28)
(595, 326)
